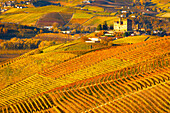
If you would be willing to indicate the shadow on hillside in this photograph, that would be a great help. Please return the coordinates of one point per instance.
(150, 4)
(44, 3)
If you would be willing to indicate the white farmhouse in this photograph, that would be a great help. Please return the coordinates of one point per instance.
(93, 40)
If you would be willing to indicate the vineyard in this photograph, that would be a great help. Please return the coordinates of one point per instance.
(7, 54)
(132, 78)
(79, 18)
(99, 20)
(51, 18)
(19, 69)
(28, 16)
(94, 8)
(133, 39)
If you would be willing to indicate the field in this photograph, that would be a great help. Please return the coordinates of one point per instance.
(94, 8)
(160, 1)
(79, 18)
(59, 18)
(99, 20)
(82, 15)
(80, 47)
(28, 16)
(163, 4)
(17, 70)
(9, 54)
(131, 78)
(57, 37)
(133, 39)
(166, 15)
(47, 15)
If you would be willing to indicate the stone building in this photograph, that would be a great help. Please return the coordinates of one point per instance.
(123, 25)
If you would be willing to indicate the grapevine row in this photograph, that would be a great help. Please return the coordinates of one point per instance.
(94, 94)
(30, 85)
(126, 56)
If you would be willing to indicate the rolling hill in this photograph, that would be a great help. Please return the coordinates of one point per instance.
(59, 18)
(28, 16)
(131, 78)
(134, 39)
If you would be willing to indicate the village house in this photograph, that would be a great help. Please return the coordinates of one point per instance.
(133, 15)
(123, 25)
(142, 29)
(66, 32)
(108, 33)
(124, 12)
(48, 27)
(88, 1)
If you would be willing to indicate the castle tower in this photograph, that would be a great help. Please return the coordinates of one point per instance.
(123, 25)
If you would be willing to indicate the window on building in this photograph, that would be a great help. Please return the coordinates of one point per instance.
(117, 22)
(121, 23)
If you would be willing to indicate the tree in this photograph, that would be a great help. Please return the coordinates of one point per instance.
(41, 31)
(84, 38)
(111, 27)
(35, 30)
(125, 34)
(119, 12)
(4, 30)
(110, 43)
(55, 29)
(105, 26)
(55, 24)
(99, 27)
(160, 29)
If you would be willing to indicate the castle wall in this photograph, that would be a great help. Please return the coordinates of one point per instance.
(123, 25)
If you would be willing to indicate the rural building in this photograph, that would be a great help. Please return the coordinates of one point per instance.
(48, 27)
(93, 40)
(123, 25)
(88, 1)
(142, 29)
(66, 32)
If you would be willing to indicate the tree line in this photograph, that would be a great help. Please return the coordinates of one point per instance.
(17, 43)
(10, 30)
(104, 26)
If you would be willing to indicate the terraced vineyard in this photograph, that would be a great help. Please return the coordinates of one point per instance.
(108, 60)
(133, 78)
(99, 20)
(19, 69)
(133, 39)
(80, 18)
(51, 18)
(94, 8)
(28, 16)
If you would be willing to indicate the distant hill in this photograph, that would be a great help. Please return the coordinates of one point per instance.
(96, 2)
(59, 18)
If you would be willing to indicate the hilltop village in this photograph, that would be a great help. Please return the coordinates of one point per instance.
(91, 21)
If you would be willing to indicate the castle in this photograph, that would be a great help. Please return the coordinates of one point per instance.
(123, 25)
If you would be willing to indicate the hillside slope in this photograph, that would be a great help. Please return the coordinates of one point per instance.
(59, 18)
(114, 79)
(28, 16)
